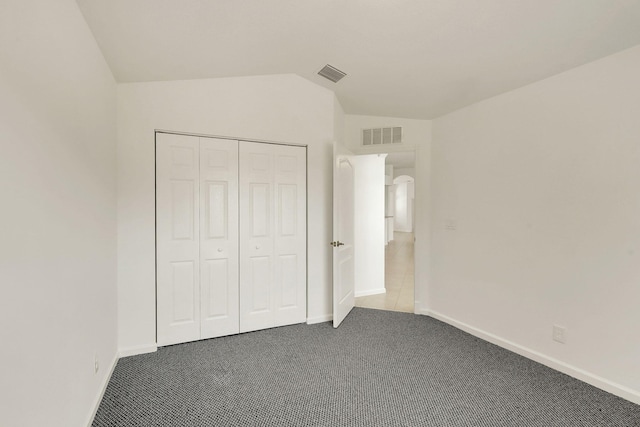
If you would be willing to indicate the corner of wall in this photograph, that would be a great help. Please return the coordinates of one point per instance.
(102, 390)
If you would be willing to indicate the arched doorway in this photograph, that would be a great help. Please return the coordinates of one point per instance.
(404, 191)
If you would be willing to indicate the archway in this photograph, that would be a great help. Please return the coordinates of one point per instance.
(404, 190)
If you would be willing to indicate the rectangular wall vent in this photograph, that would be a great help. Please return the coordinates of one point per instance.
(331, 73)
(379, 136)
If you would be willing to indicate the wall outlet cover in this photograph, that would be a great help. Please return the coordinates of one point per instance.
(559, 334)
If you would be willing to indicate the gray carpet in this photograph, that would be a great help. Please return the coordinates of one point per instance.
(378, 369)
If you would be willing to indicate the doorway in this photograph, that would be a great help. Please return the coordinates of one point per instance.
(399, 279)
(398, 293)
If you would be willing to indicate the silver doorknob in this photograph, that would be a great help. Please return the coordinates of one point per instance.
(257, 247)
(220, 249)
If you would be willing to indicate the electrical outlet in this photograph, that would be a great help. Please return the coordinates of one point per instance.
(559, 334)
(96, 364)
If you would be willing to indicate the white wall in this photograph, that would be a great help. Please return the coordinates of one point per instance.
(404, 171)
(369, 230)
(409, 221)
(283, 108)
(542, 185)
(415, 133)
(404, 194)
(58, 227)
(416, 137)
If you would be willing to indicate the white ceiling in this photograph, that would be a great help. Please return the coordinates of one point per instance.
(404, 58)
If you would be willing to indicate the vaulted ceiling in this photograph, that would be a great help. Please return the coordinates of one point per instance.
(404, 58)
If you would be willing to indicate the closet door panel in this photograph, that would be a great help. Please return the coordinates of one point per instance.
(290, 242)
(258, 284)
(273, 235)
(256, 236)
(177, 231)
(219, 237)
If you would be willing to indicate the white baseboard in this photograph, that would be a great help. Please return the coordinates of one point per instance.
(319, 319)
(370, 292)
(103, 388)
(424, 311)
(140, 349)
(589, 378)
(417, 308)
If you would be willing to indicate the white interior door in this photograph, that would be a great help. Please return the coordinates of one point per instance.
(343, 224)
(272, 235)
(177, 235)
(218, 237)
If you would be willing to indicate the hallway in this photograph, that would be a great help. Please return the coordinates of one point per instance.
(398, 279)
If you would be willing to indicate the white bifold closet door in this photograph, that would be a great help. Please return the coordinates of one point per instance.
(197, 237)
(218, 237)
(272, 235)
(230, 258)
(177, 238)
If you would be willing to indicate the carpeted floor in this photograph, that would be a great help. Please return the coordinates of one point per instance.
(379, 368)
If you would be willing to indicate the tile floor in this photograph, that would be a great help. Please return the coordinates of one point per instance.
(398, 278)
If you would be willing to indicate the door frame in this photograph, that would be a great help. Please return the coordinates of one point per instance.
(419, 296)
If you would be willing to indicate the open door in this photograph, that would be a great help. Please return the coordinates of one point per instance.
(343, 222)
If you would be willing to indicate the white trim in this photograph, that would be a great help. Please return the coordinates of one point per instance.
(371, 292)
(424, 312)
(319, 319)
(595, 380)
(233, 138)
(416, 307)
(140, 349)
(103, 388)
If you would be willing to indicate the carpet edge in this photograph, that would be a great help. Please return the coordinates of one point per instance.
(558, 365)
(103, 389)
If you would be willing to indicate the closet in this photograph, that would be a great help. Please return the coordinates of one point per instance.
(230, 236)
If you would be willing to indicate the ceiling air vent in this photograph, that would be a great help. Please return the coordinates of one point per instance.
(331, 73)
(379, 136)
